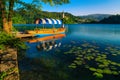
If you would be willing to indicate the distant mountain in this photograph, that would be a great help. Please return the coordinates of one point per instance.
(114, 19)
(96, 17)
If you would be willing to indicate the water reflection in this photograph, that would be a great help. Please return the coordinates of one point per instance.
(104, 33)
(84, 52)
(49, 45)
(45, 43)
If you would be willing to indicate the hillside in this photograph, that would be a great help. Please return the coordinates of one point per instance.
(114, 19)
(96, 17)
(29, 17)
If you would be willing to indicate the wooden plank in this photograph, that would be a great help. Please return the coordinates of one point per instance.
(24, 35)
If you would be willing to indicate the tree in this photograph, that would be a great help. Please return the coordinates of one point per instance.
(6, 8)
(6, 17)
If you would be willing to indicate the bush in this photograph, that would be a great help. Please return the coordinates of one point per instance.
(8, 40)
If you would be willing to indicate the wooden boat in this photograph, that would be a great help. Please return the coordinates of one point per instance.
(47, 38)
(47, 31)
(38, 32)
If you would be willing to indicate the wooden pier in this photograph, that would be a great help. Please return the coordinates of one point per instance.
(22, 35)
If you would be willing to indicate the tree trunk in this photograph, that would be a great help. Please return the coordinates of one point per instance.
(0, 16)
(3, 14)
(11, 5)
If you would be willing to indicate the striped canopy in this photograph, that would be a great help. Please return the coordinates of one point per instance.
(47, 21)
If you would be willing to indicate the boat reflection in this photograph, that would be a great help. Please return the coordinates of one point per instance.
(48, 42)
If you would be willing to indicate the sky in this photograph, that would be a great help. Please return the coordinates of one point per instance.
(85, 7)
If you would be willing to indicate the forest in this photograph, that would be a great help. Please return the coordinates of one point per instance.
(24, 16)
(114, 19)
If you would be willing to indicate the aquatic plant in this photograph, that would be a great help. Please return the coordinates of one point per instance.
(98, 75)
(92, 69)
(93, 59)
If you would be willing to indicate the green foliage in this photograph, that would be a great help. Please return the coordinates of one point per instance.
(2, 75)
(28, 16)
(8, 40)
(68, 20)
(56, 2)
(18, 19)
(2, 47)
(31, 11)
(0, 20)
(6, 73)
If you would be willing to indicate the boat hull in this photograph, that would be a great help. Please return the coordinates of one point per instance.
(46, 32)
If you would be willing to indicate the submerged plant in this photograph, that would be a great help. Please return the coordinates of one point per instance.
(92, 58)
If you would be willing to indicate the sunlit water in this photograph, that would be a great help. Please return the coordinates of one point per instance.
(53, 64)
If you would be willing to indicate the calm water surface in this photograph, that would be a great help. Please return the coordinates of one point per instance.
(83, 40)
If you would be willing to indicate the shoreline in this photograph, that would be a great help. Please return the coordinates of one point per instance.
(9, 65)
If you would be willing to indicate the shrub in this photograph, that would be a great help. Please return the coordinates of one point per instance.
(8, 40)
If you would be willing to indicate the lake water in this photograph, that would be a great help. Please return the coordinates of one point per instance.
(85, 52)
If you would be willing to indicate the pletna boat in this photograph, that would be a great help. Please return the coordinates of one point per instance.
(47, 31)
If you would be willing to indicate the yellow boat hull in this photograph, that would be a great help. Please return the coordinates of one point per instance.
(46, 31)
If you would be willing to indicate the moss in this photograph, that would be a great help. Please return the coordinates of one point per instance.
(2, 47)
(3, 75)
